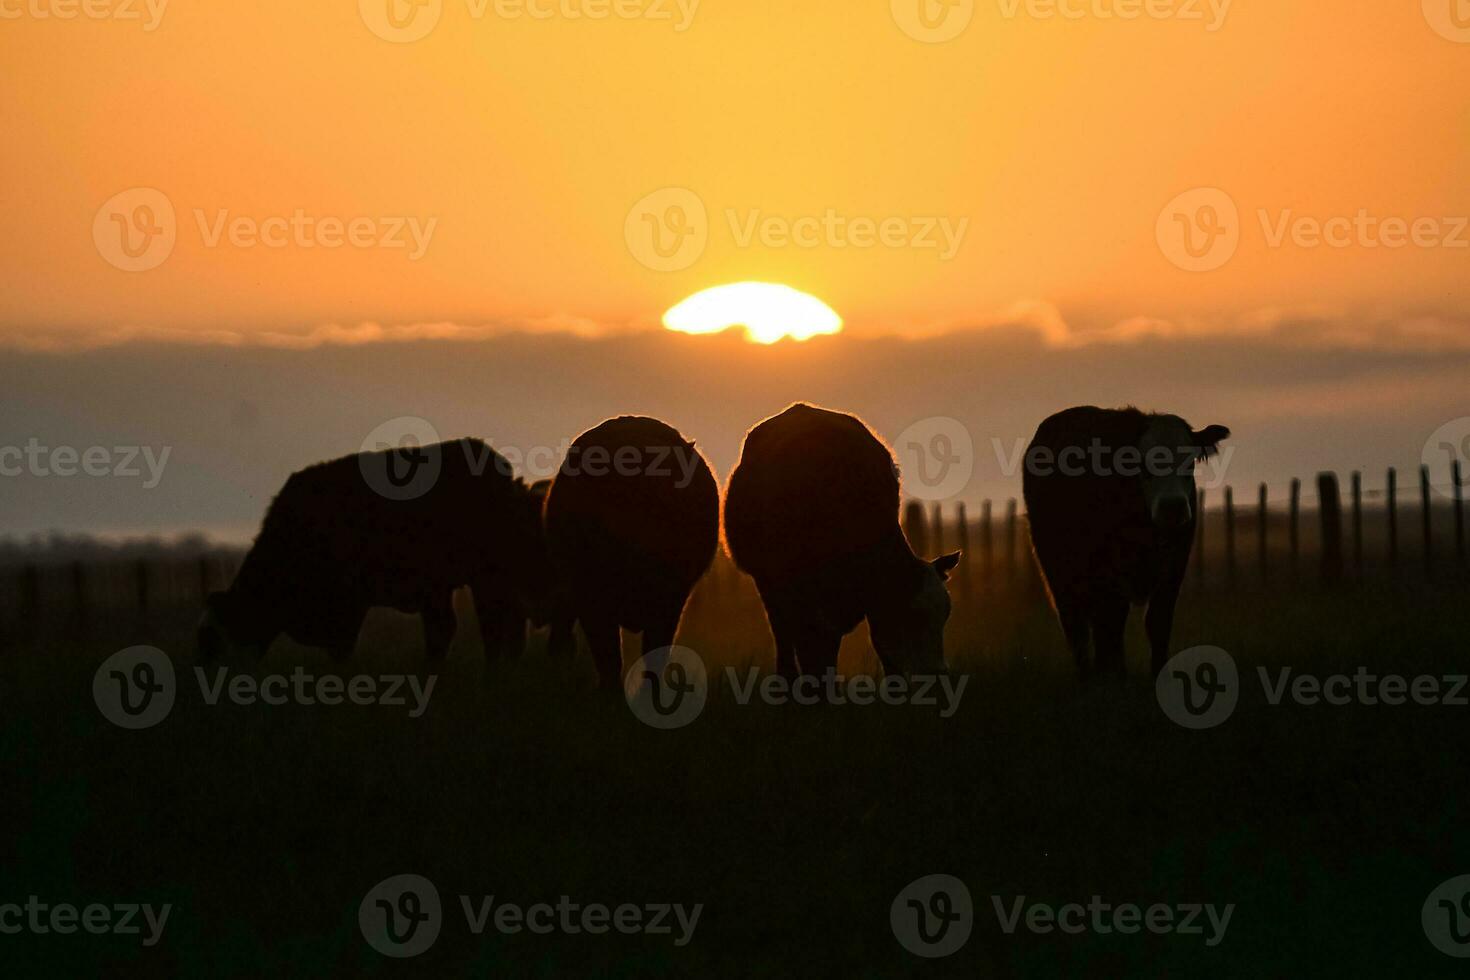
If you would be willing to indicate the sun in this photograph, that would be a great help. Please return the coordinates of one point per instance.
(768, 311)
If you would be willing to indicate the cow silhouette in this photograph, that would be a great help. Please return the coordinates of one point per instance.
(401, 528)
(1110, 497)
(811, 513)
(632, 522)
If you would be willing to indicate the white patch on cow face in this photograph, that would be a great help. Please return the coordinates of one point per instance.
(1167, 471)
(909, 637)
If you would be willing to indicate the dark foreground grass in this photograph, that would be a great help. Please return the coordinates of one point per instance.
(1325, 827)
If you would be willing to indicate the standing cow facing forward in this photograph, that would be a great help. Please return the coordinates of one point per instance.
(401, 528)
(1110, 497)
(811, 514)
(632, 521)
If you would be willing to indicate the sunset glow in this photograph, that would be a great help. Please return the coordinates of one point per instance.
(767, 311)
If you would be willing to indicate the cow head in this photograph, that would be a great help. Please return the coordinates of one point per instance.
(1169, 449)
(537, 587)
(907, 626)
(229, 621)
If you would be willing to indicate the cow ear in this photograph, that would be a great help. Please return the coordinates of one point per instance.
(946, 564)
(1209, 438)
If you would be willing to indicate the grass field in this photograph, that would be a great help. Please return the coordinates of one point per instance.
(795, 827)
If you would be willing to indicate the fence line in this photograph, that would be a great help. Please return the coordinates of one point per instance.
(82, 591)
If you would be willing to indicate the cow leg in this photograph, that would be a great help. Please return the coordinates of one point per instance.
(1158, 622)
(784, 630)
(438, 613)
(344, 647)
(502, 624)
(563, 639)
(660, 633)
(346, 640)
(818, 652)
(1109, 620)
(1078, 631)
(607, 648)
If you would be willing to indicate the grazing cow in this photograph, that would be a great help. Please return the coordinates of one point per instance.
(811, 514)
(1110, 497)
(334, 543)
(632, 522)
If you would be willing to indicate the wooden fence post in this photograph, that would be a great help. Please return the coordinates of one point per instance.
(1392, 505)
(1294, 531)
(1426, 505)
(914, 529)
(1357, 523)
(30, 597)
(80, 593)
(1230, 535)
(1199, 538)
(936, 531)
(1330, 507)
(1011, 529)
(1459, 510)
(140, 573)
(1261, 515)
(987, 541)
(962, 534)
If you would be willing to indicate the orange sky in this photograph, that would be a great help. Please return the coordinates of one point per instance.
(521, 144)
